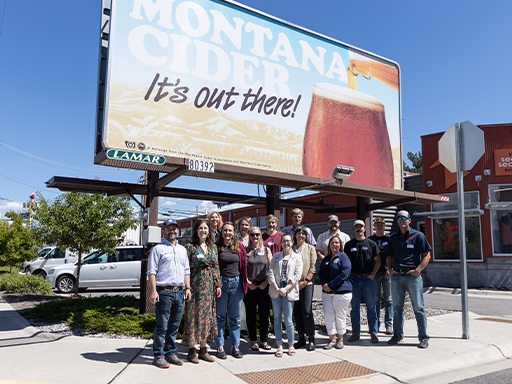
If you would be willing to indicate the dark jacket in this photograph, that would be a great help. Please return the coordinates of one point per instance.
(335, 272)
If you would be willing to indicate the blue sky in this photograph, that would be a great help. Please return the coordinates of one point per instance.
(454, 56)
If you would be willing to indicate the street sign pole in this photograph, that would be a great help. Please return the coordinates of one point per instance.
(462, 232)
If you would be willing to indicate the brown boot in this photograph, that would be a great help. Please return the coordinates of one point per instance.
(192, 357)
(203, 355)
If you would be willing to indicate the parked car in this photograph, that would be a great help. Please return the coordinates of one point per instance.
(53, 258)
(100, 269)
(25, 267)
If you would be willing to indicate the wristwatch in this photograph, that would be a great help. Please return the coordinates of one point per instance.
(188, 288)
(309, 281)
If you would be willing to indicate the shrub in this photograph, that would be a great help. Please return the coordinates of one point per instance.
(104, 314)
(15, 283)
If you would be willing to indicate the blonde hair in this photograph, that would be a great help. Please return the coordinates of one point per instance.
(209, 216)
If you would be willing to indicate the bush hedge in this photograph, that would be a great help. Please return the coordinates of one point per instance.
(16, 283)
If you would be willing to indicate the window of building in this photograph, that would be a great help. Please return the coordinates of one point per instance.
(445, 228)
(500, 205)
(446, 239)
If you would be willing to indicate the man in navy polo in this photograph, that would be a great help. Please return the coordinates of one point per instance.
(408, 254)
(169, 282)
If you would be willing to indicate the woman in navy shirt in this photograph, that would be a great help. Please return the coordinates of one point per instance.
(336, 283)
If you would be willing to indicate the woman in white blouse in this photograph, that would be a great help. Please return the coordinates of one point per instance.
(284, 275)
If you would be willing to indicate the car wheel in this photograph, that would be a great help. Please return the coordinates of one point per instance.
(40, 274)
(65, 284)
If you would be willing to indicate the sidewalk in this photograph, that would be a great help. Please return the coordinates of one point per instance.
(29, 356)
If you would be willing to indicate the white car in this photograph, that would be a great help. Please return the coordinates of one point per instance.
(53, 258)
(100, 269)
(25, 267)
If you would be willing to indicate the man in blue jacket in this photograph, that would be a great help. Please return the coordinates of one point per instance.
(408, 254)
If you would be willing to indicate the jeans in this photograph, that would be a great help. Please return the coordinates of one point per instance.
(303, 313)
(283, 306)
(168, 312)
(380, 280)
(400, 283)
(366, 286)
(231, 301)
(257, 298)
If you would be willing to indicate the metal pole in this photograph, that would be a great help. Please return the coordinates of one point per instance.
(462, 233)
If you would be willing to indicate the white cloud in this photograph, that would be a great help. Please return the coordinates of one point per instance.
(6, 206)
(167, 202)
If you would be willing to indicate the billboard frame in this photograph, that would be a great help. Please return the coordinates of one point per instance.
(235, 173)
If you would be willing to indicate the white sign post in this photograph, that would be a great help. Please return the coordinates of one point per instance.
(460, 148)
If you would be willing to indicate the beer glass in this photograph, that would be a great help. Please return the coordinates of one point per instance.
(347, 127)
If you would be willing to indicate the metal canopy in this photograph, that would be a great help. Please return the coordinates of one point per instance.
(393, 197)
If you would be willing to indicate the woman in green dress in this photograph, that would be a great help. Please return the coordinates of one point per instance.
(200, 310)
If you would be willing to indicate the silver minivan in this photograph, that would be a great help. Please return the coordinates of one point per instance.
(100, 269)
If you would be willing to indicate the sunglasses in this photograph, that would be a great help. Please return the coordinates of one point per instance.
(255, 234)
(402, 218)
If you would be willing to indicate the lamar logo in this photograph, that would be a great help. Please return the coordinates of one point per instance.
(136, 157)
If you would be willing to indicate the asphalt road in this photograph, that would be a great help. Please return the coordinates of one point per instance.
(493, 304)
(499, 377)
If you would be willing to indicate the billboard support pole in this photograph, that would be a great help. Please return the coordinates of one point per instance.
(462, 232)
(151, 203)
(273, 207)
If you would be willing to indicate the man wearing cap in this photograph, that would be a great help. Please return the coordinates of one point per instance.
(381, 283)
(408, 254)
(364, 256)
(334, 230)
(169, 282)
(297, 215)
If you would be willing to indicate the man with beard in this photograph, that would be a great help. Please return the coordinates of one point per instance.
(364, 256)
(334, 230)
(272, 237)
(169, 282)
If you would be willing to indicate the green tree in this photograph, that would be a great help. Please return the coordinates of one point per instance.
(82, 222)
(416, 161)
(16, 242)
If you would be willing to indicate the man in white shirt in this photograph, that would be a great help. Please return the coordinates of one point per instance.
(334, 230)
(169, 282)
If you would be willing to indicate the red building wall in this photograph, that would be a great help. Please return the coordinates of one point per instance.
(496, 136)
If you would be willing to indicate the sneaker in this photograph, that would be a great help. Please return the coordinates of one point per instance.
(375, 339)
(160, 363)
(389, 330)
(395, 340)
(339, 344)
(173, 359)
(354, 337)
(221, 354)
(423, 344)
(235, 352)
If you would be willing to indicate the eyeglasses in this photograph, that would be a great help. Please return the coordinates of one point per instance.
(255, 234)
(402, 218)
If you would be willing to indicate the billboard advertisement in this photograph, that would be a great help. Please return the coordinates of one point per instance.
(215, 81)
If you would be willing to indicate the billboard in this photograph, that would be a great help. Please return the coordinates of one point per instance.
(217, 82)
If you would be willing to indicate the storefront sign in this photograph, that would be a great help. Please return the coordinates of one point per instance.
(214, 81)
(503, 162)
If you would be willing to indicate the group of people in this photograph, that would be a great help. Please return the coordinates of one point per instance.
(221, 268)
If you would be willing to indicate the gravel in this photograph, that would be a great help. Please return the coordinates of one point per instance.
(22, 302)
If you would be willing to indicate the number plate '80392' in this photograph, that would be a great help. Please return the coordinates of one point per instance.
(201, 166)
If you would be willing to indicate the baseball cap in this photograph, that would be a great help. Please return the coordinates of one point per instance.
(169, 222)
(379, 220)
(404, 214)
(333, 218)
(358, 222)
